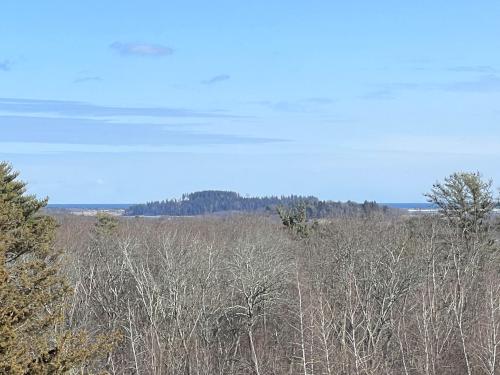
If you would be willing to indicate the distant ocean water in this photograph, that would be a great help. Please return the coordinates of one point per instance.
(92, 206)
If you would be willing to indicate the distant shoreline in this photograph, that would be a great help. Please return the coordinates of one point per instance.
(123, 206)
(91, 206)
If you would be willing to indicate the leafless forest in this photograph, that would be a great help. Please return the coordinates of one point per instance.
(373, 294)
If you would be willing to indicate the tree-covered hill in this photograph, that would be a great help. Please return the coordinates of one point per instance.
(213, 201)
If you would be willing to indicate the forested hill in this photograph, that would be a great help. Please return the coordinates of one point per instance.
(213, 201)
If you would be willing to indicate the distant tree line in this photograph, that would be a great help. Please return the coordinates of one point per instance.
(213, 201)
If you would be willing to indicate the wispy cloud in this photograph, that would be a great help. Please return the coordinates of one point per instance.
(485, 83)
(380, 94)
(216, 79)
(5, 65)
(87, 79)
(82, 109)
(310, 104)
(40, 148)
(99, 135)
(141, 49)
(427, 144)
(318, 100)
(473, 69)
(481, 84)
(388, 91)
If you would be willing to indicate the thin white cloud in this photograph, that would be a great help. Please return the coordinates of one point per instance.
(141, 49)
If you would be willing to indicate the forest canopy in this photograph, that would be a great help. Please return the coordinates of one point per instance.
(214, 201)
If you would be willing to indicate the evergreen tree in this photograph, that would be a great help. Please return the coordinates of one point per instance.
(106, 224)
(33, 336)
(466, 200)
(295, 219)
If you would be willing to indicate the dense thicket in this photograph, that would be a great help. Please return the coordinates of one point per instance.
(213, 201)
(241, 295)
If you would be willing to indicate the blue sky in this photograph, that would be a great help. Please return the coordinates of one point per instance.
(108, 102)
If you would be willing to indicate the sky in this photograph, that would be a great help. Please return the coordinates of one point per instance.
(133, 101)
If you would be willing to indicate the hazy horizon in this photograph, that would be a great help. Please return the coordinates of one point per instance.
(343, 101)
(54, 204)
